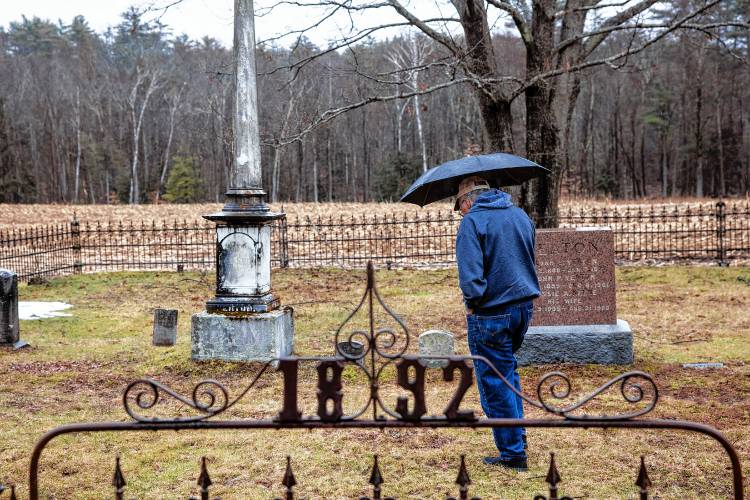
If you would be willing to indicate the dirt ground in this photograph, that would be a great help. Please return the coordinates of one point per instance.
(78, 366)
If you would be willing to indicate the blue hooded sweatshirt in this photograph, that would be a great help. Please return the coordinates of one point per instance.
(495, 253)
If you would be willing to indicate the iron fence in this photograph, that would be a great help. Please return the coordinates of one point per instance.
(717, 232)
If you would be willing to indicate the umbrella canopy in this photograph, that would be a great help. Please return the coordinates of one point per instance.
(499, 169)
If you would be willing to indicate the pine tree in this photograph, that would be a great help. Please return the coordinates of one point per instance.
(184, 185)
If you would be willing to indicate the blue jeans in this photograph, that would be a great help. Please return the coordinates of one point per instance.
(497, 338)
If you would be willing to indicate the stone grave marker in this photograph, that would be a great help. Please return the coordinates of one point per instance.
(576, 270)
(9, 329)
(165, 327)
(436, 343)
(575, 319)
(350, 350)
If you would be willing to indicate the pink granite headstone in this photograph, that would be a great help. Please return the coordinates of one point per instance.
(576, 270)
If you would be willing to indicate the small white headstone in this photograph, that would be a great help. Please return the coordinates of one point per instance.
(436, 343)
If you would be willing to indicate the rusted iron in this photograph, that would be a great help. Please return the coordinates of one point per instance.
(11, 488)
(382, 348)
(643, 482)
(289, 481)
(118, 480)
(376, 480)
(553, 477)
(463, 481)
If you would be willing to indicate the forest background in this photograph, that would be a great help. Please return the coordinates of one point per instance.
(136, 115)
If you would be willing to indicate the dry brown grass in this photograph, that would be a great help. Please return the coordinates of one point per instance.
(30, 214)
(79, 366)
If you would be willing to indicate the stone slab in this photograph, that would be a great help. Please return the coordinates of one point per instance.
(576, 269)
(257, 337)
(165, 327)
(578, 344)
(9, 325)
(436, 343)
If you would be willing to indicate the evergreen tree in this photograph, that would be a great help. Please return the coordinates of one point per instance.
(184, 184)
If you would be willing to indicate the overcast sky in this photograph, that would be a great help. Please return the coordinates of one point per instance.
(198, 18)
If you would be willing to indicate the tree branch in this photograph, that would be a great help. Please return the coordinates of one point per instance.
(615, 20)
(620, 55)
(424, 27)
(518, 18)
(333, 113)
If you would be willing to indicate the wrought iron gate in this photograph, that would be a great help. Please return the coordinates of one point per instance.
(382, 348)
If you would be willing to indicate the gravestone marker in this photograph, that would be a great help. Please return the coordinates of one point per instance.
(575, 319)
(350, 350)
(576, 270)
(9, 329)
(436, 343)
(165, 327)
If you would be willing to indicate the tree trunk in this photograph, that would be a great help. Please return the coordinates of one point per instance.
(699, 142)
(720, 140)
(315, 168)
(78, 146)
(542, 134)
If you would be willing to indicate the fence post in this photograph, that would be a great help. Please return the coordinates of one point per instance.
(721, 223)
(284, 242)
(75, 234)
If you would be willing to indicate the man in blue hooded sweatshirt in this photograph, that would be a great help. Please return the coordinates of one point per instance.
(497, 276)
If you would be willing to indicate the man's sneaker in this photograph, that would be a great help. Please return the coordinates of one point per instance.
(517, 464)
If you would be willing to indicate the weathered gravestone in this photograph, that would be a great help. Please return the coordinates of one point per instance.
(575, 319)
(350, 349)
(436, 343)
(165, 327)
(9, 329)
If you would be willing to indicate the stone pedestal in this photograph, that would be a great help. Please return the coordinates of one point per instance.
(575, 319)
(256, 337)
(9, 329)
(578, 344)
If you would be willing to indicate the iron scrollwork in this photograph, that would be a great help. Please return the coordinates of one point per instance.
(379, 348)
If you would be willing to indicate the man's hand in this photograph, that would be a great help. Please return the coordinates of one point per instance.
(469, 311)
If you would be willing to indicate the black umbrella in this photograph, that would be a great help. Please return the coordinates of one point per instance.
(499, 169)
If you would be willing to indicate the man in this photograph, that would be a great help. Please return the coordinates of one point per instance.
(495, 254)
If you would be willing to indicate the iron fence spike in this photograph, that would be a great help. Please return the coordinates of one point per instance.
(204, 480)
(553, 476)
(289, 480)
(13, 492)
(643, 481)
(463, 478)
(118, 479)
(376, 477)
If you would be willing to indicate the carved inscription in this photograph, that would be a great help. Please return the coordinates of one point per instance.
(576, 272)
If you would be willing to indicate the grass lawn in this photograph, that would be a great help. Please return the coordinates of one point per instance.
(78, 367)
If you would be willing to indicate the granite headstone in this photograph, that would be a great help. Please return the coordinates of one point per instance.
(9, 329)
(576, 270)
(575, 319)
(165, 327)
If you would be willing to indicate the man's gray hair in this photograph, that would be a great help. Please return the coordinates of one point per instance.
(473, 195)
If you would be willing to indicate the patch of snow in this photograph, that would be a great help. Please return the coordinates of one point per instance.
(42, 310)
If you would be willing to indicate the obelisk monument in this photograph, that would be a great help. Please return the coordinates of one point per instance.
(244, 321)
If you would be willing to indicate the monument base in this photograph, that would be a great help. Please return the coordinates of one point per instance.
(257, 337)
(578, 344)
